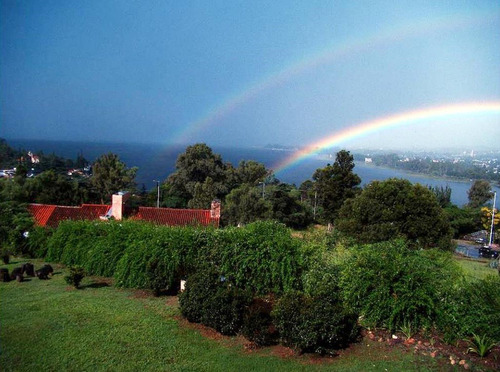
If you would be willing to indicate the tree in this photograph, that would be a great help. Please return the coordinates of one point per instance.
(245, 204)
(51, 188)
(15, 220)
(111, 175)
(479, 193)
(251, 172)
(203, 195)
(335, 184)
(287, 208)
(193, 167)
(443, 195)
(388, 209)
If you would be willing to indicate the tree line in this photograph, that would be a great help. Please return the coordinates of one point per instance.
(443, 168)
(380, 211)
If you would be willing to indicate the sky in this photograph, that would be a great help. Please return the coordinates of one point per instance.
(250, 73)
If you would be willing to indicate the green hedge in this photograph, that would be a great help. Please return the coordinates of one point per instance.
(261, 257)
(391, 285)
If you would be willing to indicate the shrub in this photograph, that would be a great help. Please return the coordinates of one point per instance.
(37, 241)
(75, 276)
(318, 324)
(209, 299)
(390, 284)
(263, 257)
(224, 309)
(199, 287)
(257, 322)
(472, 308)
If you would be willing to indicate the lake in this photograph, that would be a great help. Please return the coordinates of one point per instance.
(156, 162)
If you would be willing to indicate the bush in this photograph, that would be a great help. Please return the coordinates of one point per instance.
(224, 309)
(472, 309)
(257, 322)
(209, 299)
(38, 240)
(75, 276)
(390, 284)
(314, 323)
(199, 287)
(263, 257)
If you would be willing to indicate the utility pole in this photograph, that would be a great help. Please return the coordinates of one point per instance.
(263, 189)
(492, 218)
(158, 193)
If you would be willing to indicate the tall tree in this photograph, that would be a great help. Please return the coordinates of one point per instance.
(245, 204)
(443, 195)
(388, 209)
(251, 172)
(479, 193)
(335, 184)
(287, 208)
(194, 166)
(110, 175)
(203, 194)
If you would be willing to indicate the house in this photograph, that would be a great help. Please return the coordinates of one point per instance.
(52, 215)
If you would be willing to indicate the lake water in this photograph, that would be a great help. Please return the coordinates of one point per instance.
(157, 161)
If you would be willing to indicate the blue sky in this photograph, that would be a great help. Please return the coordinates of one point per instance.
(246, 73)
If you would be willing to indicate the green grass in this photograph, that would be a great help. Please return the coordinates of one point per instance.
(48, 326)
(475, 269)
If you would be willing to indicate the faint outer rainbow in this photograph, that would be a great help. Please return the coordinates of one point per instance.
(328, 55)
(397, 120)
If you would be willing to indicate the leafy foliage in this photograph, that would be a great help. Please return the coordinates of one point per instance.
(75, 276)
(390, 284)
(209, 299)
(481, 345)
(38, 240)
(193, 167)
(314, 323)
(394, 207)
(258, 324)
(262, 257)
(335, 184)
(472, 308)
(245, 205)
(110, 175)
(479, 193)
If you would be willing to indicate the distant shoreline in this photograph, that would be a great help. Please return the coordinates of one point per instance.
(427, 175)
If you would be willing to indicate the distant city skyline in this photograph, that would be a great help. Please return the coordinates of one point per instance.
(250, 74)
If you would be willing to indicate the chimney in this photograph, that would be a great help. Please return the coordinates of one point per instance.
(118, 200)
(215, 209)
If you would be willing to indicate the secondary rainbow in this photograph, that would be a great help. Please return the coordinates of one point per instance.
(330, 54)
(398, 120)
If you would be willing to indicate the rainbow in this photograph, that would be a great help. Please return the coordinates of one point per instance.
(328, 55)
(398, 120)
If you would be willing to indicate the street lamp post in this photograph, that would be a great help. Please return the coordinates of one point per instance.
(158, 193)
(263, 189)
(492, 219)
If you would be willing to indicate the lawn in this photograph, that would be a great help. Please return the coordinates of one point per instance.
(475, 269)
(47, 325)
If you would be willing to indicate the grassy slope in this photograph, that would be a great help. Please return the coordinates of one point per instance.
(46, 325)
(475, 269)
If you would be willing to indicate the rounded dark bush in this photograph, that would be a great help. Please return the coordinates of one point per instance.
(75, 276)
(224, 309)
(258, 324)
(211, 300)
(199, 287)
(314, 324)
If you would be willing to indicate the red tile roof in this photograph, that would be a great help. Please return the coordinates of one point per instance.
(177, 217)
(41, 213)
(52, 215)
